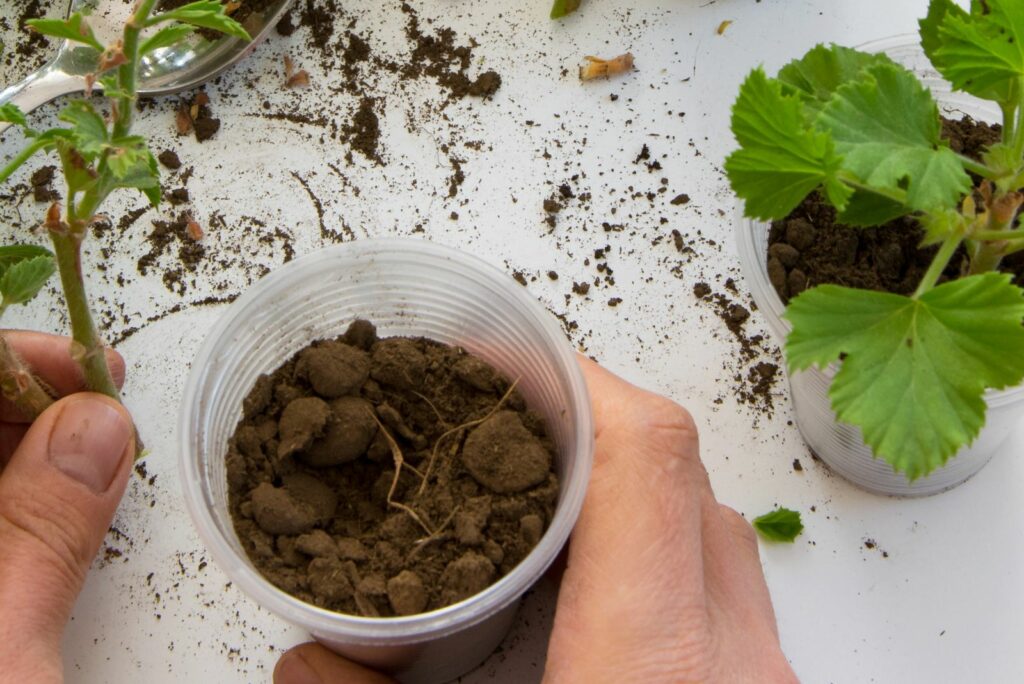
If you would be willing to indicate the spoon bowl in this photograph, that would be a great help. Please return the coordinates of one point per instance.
(184, 65)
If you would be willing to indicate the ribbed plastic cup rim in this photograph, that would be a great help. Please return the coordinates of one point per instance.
(755, 267)
(425, 626)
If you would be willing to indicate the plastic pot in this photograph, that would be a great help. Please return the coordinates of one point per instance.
(840, 445)
(405, 287)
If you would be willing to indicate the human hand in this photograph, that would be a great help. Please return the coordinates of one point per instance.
(61, 479)
(663, 583)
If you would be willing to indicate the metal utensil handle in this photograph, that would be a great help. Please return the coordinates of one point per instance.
(46, 84)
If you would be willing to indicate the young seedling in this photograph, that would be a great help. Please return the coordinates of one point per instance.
(98, 154)
(865, 133)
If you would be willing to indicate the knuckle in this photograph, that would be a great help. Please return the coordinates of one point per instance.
(738, 526)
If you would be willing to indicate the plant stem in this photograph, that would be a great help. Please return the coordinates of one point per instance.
(19, 386)
(21, 158)
(899, 196)
(987, 235)
(938, 265)
(88, 350)
(126, 73)
(977, 168)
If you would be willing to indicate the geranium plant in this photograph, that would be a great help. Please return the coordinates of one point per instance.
(98, 154)
(865, 133)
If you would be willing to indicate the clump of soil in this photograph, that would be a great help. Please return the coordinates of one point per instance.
(754, 378)
(313, 490)
(809, 247)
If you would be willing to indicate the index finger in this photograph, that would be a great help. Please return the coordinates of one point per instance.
(49, 357)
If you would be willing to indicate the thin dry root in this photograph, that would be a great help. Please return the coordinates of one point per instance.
(429, 403)
(437, 535)
(396, 454)
(459, 428)
(603, 68)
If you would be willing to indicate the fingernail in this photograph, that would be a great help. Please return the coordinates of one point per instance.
(88, 442)
(293, 669)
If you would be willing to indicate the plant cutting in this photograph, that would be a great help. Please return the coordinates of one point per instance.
(98, 155)
(864, 133)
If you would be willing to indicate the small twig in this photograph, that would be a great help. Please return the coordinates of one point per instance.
(19, 385)
(464, 426)
(396, 454)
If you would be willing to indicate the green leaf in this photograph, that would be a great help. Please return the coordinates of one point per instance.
(204, 14)
(820, 72)
(981, 52)
(88, 129)
(23, 279)
(111, 85)
(914, 371)
(867, 209)
(11, 254)
(931, 41)
(74, 28)
(886, 127)
(165, 37)
(781, 160)
(561, 8)
(10, 113)
(78, 173)
(781, 525)
(132, 165)
(940, 225)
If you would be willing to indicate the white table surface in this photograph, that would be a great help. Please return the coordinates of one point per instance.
(945, 602)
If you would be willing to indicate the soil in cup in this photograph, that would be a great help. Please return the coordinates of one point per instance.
(809, 247)
(313, 490)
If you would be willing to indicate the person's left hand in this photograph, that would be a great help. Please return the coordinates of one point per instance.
(61, 479)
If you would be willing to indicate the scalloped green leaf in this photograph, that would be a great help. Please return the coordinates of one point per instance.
(165, 37)
(820, 72)
(980, 52)
(914, 371)
(75, 28)
(204, 14)
(561, 8)
(88, 128)
(781, 525)
(10, 113)
(12, 254)
(22, 280)
(886, 126)
(781, 159)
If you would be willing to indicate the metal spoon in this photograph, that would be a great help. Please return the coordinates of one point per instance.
(185, 65)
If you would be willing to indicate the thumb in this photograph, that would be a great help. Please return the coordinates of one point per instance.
(57, 497)
(314, 664)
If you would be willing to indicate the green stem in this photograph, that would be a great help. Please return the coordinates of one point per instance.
(938, 264)
(977, 168)
(987, 235)
(899, 196)
(126, 73)
(19, 386)
(88, 350)
(22, 157)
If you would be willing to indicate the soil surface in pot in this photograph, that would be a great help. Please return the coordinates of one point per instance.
(809, 248)
(312, 486)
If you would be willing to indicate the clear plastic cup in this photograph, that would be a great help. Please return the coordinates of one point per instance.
(840, 445)
(405, 287)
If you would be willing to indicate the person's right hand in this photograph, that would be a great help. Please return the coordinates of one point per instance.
(663, 583)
